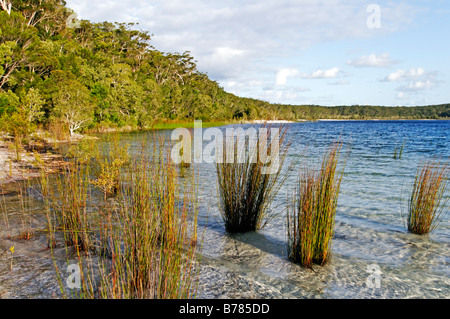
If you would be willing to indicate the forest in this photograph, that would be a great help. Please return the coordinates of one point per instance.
(108, 75)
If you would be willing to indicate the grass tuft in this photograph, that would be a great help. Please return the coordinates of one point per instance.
(152, 252)
(143, 243)
(310, 224)
(67, 206)
(245, 191)
(425, 206)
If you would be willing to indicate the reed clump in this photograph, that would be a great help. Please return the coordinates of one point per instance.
(58, 130)
(67, 204)
(143, 247)
(152, 253)
(108, 168)
(245, 190)
(84, 151)
(310, 221)
(25, 229)
(426, 205)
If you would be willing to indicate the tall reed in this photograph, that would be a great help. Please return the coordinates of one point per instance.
(245, 191)
(67, 199)
(108, 166)
(25, 230)
(310, 221)
(398, 152)
(4, 211)
(58, 130)
(426, 206)
(68, 209)
(152, 253)
(145, 246)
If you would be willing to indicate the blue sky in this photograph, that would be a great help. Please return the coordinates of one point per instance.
(329, 52)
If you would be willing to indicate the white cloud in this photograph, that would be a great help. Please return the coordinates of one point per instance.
(419, 85)
(283, 74)
(231, 84)
(412, 81)
(262, 29)
(373, 60)
(287, 94)
(226, 54)
(322, 74)
(405, 75)
(400, 95)
(221, 58)
(415, 79)
(273, 94)
(238, 41)
(341, 82)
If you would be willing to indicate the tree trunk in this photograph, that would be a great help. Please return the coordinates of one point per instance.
(6, 6)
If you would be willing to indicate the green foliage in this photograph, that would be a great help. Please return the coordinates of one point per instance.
(18, 44)
(9, 103)
(32, 104)
(84, 151)
(18, 126)
(109, 167)
(109, 75)
(73, 106)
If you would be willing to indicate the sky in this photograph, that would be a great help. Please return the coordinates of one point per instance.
(325, 52)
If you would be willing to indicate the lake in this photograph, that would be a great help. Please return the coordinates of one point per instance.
(370, 234)
(373, 256)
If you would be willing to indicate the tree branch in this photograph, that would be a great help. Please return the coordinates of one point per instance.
(6, 6)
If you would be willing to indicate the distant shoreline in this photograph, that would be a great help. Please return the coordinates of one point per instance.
(335, 120)
(375, 120)
(28, 167)
(269, 122)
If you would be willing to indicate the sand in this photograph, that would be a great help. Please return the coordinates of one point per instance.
(269, 122)
(31, 165)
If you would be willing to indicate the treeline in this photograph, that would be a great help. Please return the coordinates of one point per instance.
(99, 75)
(361, 112)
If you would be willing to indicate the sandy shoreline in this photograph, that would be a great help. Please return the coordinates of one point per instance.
(31, 165)
(39, 157)
(269, 122)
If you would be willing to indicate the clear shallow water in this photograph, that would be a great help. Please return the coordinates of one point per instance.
(369, 224)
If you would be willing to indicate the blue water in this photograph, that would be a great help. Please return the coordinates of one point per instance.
(369, 233)
(370, 230)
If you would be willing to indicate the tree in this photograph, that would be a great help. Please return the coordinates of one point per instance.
(13, 119)
(32, 104)
(9, 103)
(125, 95)
(49, 16)
(17, 44)
(6, 5)
(42, 60)
(73, 106)
(18, 126)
